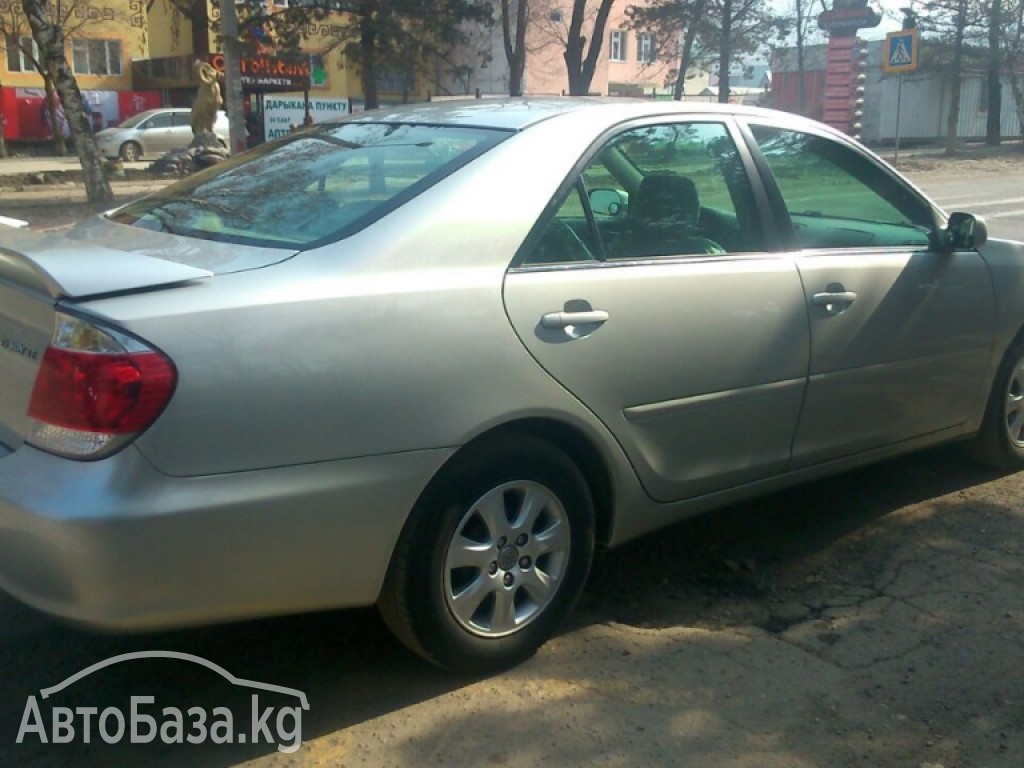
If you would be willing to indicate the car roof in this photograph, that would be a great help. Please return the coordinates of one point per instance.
(519, 113)
(160, 110)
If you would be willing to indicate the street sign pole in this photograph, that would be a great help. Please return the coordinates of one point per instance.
(899, 114)
(899, 56)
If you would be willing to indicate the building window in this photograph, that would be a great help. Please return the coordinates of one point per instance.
(96, 57)
(317, 71)
(644, 47)
(17, 61)
(617, 51)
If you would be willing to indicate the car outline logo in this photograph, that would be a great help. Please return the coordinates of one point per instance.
(83, 673)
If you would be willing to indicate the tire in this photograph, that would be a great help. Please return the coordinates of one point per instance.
(493, 557)
(1000, 442)
(130, 152)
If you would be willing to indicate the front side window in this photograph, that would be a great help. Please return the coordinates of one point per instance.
(163, 120)
(617, 49)
(838, 199)
(311, 187)
(96, 57)
(668, 190)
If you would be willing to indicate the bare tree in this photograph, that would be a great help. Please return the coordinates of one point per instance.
(670, 21)
(738, 27)
(581, 54)
(954, 29)
(953, 120)
(802, 29)
(14, 24)
(730, 27)
(3, 137)
(50, 39)
(1013, 55)
(514, 39)
(995, 87)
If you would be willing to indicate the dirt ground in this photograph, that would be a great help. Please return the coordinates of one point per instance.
(971, 158)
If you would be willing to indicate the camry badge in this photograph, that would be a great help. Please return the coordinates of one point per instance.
(19, 349)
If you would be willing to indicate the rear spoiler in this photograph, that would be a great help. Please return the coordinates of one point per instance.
(80, 270)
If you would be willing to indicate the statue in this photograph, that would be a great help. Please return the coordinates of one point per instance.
(208, 100)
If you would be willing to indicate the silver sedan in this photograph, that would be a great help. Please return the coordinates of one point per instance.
(430, 358)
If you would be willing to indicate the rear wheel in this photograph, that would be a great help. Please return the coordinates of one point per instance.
(130, 152)
(1000, 442)
(493, 557)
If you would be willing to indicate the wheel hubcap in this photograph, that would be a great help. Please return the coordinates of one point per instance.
(1014, 410)
(506, 559)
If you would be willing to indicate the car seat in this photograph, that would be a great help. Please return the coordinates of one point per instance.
(662, 219)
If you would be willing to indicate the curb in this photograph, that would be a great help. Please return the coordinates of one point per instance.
(61, 194)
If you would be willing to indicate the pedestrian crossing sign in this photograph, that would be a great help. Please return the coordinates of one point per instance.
(900, 51)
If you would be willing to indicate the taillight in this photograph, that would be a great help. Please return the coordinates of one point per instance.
(96, 390)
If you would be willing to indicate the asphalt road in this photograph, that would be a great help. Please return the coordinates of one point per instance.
(872, 619)
(997, 197)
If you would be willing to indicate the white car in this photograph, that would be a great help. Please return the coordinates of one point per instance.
(154, 132)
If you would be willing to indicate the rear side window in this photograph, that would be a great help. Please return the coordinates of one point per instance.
(663, 190)
(313, 186)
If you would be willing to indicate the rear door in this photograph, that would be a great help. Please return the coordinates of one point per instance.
(900, 333)
(181, 130)
(651, 294)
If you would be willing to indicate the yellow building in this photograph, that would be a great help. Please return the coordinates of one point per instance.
(104, 36)
(147, 47)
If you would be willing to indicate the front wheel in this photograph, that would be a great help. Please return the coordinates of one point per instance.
(493, 556)
(1000, 443)
(130, 152)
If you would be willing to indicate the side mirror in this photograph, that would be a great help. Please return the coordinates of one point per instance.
(964, 230)
(607, 202)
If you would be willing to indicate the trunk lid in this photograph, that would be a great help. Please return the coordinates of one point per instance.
(38, 271)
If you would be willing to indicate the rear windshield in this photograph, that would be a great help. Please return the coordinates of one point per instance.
(311, 187)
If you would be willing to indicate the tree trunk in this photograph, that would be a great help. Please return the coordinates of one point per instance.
(233, 99)
(800, 67)
(515, 51)
(953, 120)
(368, 55)
(3, 137)
(596, 41)
(50, 39)
(684, 55)
(725, 52)
(1011, 63)
(995, 88)
(53, 114)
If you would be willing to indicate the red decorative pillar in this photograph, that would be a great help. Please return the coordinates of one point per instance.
(842, 61)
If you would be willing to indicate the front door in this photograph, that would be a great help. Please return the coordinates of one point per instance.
(901, 334)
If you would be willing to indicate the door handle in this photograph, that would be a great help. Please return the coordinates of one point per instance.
(565, 319)
(834, 302)
(840, 297)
